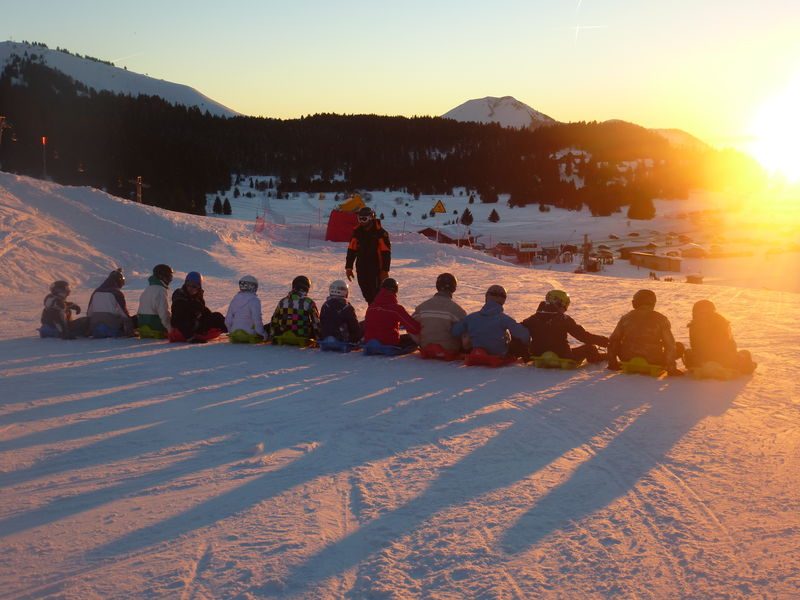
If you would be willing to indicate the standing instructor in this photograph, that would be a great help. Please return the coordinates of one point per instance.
(371, 251)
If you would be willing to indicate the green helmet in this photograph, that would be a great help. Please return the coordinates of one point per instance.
(558, 297)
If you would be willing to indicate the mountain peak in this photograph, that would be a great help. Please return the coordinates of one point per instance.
(104, 76)
(506, 111)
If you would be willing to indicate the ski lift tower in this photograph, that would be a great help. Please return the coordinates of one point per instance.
(139, 186)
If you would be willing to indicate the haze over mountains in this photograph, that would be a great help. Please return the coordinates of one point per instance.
(507, 111)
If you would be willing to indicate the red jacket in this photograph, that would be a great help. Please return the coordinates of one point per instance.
(384, 317)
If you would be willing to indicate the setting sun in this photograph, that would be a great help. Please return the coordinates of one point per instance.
(776, 131)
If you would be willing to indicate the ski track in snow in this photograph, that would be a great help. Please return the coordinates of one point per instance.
(136, 468)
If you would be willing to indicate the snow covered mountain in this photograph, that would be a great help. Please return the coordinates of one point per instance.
(507, 111)
(103, 76)
(681, 138)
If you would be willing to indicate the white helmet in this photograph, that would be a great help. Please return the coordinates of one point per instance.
(248, 283)
(339, 289)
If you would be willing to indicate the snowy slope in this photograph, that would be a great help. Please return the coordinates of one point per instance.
(101, 76)
(131, 468)
(507, 111)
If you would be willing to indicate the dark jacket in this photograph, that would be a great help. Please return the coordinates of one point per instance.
(384, 317)
(188, 311)
(711, 339)
(338, 319)
(370, 249)
(549, 327)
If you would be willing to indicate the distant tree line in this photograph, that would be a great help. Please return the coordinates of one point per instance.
(106, 140)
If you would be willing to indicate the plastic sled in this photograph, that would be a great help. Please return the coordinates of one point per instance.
(435, 351)
(145, 331)
(714, 370)
(551, 360)
(480, 357)
(288, 338)
(175, 335)
(639, 365)
(104, 331)
(48, 331)
(242, 337)
(331, 344)
(374, 347)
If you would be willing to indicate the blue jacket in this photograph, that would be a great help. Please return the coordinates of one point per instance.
(491, 329)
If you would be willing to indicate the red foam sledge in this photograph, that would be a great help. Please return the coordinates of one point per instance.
(480, 357)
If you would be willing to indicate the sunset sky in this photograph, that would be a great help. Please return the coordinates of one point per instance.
(706, 66)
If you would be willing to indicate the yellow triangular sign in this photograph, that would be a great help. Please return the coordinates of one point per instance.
(439, 208)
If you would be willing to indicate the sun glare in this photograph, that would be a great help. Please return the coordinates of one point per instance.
(776, 132)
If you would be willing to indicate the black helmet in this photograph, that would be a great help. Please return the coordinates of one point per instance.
(117, 277)
(446, 282)
(60, 287)
(497, 293)
(644, 298)
(301, 283)
(163, 273)
(390, 284)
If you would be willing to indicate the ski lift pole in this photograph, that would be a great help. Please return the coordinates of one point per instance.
(44, 156)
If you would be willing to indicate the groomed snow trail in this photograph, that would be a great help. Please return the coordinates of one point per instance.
(133, 468)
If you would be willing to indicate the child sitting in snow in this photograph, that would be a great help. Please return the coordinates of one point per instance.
(384, 317)
(192, 321)
(153, 316)
(244, 319)
(550, 325)
(646, 333)
(490, 328)
(57, 313)
(296, 313)
(711, 340)
(337, 318)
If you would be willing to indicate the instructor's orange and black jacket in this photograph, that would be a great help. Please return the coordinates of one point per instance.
(370, 249)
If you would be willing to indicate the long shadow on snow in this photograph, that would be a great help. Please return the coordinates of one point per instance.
(614, 471)
(188, 423)
(616, 468)
(356, 432)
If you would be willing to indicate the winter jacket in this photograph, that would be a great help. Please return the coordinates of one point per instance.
(437, 315)
(643, 332)
(296, 313)
(383, 319)
(549, 327)
(370, 249)
(490, 328)
(338, 319)
(107, 307)
(57, 313)
(711, 339)
(153, 307)
(244, 313)
(188, 312)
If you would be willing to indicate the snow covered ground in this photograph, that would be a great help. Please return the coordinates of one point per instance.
(136, 468)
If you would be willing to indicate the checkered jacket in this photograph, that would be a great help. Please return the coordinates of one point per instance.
(296, 313)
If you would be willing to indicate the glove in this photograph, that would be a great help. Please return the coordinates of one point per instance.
(75, 307)
(613, 365)
(604, 342)
(384, 275)
(349, 273)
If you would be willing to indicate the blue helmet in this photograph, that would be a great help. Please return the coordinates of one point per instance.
(194, 278)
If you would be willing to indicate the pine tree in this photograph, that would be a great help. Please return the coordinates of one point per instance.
(236, 192)
(217, 209)
(394, 212)
(226, 208)
(494, 217)
(466, 217)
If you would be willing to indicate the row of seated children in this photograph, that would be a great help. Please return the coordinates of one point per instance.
(438, 321)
